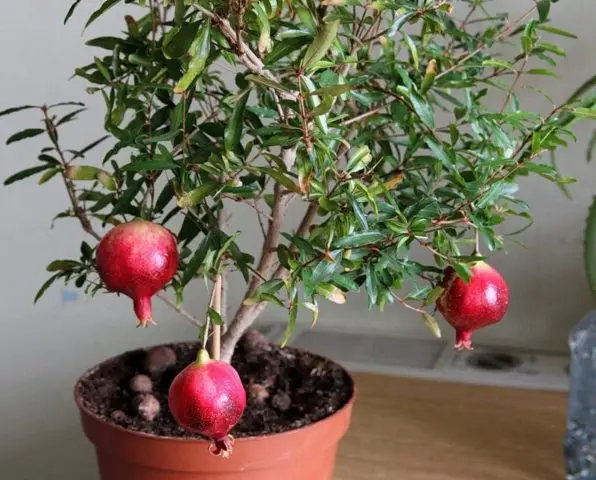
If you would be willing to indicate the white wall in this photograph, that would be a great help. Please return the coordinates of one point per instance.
(44, 348)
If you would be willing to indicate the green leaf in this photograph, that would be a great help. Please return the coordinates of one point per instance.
(584, 113)
(47, 176)
(345, 282)
(281, 178)
(431, 324)
(591, 146)
(413, 51)
(179, 40)
(324, 107)
(590, 247)
(215, 317)
(555, 30)
(28, 172)
(23, 134)
(371, 284)
(495, 191)
(62, 265)
(129, 194)
(267, 297)
(543, 7)
(267, 82)
(82, 172)
(323, 40)
(197, 195)
(323, 271)
(233, 131)
(293, 315)
(148, 165)
(331, 293)
(199, 52)
(423, 109)
(494, 62)
(358, 240)
(433, 295)
(333, 90)
(11, 110)
(98, 13)
(196, 261)
(47, 284)
(71, 10)
(361, 158)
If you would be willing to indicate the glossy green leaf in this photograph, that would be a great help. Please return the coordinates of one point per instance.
(318, 48)
(358, 240)
(149, 165)
(196, 261)
(293, 315)
(199, 53)
(282, 179)
(233, 131)
(62, 265)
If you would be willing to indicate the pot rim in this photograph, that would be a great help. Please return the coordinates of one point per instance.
(78, 401)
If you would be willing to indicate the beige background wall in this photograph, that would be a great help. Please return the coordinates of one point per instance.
(44, 348)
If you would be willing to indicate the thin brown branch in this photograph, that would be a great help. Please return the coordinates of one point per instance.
(503, 34)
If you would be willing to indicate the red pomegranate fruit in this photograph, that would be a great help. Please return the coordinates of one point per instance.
(137, 259)
(468, 307)
(208, 398)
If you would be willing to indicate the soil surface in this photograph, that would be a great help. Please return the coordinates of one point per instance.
(286, 388)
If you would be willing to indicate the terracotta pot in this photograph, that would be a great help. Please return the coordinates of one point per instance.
(307, 453)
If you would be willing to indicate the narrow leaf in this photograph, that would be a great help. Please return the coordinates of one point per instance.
(71, 10)
(28, 172)
(8, 111)
(543, 7)
(555, 30)
(23, 134)
(358, 240)
(282, 179)
(291, 322)
(199, 52)
(317, 49)
(47, 284)
(99, 12)
(233, 131)
(197, 195)
(215, 317)
(266, 82)
(590, 247)
(149, 165)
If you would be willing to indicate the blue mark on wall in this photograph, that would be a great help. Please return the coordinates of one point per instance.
(69, 296)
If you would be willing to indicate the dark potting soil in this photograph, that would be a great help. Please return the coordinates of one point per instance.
(286, 388)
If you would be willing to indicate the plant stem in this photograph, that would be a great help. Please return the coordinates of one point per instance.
(216, 340)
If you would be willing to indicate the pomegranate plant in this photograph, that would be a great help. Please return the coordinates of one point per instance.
(373, 115)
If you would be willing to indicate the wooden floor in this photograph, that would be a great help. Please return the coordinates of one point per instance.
(410, 429)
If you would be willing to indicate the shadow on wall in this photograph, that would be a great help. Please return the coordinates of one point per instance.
(66, 455)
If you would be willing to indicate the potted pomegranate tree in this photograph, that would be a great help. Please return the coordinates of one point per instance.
(371, 115)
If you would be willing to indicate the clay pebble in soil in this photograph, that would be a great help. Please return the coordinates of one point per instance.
(287, 388)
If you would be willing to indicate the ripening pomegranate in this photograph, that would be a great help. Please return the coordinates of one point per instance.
(470, 306)
(208, 398)
(137, 259)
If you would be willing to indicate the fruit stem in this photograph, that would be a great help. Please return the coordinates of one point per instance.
(203, 357)
(476, 251)
(216, 340)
